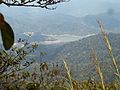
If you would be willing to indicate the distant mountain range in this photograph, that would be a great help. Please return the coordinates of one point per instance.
(65, 24)
(109, 19)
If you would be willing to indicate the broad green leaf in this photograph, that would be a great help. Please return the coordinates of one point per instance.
(7, 36)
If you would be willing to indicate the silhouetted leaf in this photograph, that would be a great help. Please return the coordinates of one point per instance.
(7, 36)
(22, 1)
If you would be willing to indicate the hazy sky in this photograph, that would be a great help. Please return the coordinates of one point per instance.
(74, 7)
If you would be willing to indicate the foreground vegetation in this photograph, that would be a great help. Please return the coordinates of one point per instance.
(50, 78)
(19, 71)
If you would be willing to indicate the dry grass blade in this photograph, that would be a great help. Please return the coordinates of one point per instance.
(69, 76)
(109, 48)
(98, 69)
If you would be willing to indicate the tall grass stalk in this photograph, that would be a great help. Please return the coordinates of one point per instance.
(109, 48)
(69, 76)
(98, 69)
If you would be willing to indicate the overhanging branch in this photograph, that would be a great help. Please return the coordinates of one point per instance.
(34, 3)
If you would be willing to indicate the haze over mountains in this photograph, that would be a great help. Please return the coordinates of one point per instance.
(74, 7)
(59, 29)
(69, 18)
(65, 24)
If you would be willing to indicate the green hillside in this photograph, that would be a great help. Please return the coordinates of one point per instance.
(79, 52)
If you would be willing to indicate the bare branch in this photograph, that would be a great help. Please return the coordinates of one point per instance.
(34, 3)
